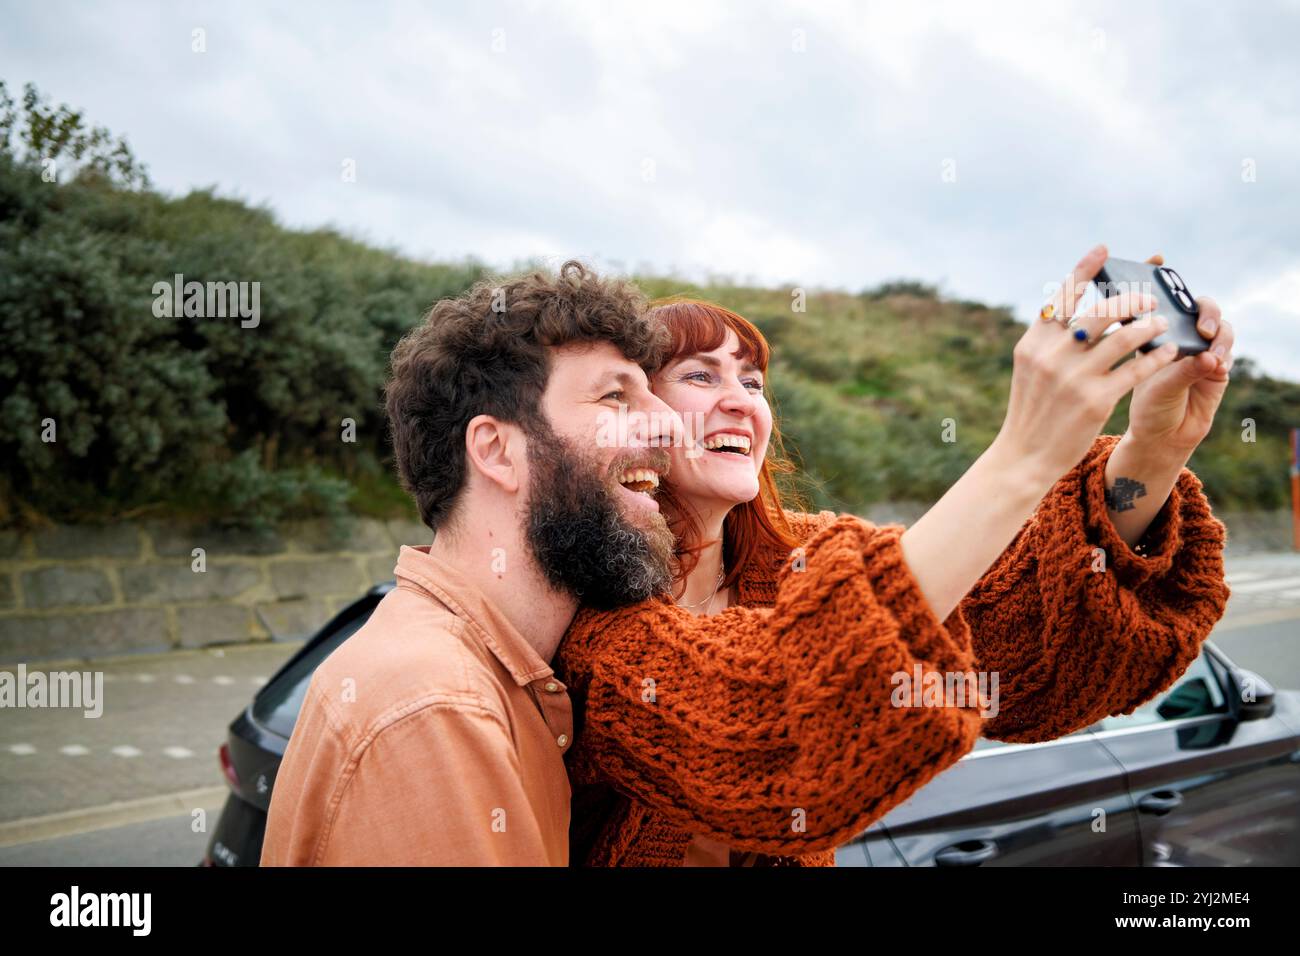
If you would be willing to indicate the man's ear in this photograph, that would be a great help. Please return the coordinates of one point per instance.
(496, 450)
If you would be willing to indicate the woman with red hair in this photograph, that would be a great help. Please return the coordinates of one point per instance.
(754, 717)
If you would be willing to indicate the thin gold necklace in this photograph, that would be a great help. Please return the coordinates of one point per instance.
(691, 607)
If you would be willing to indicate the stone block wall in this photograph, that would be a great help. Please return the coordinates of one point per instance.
(73, 591)
(68, 592)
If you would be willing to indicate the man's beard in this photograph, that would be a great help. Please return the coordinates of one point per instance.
(578, 534)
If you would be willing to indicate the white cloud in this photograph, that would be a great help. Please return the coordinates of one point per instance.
(694, 135)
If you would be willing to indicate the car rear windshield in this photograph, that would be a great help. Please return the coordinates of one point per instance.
(276, 706)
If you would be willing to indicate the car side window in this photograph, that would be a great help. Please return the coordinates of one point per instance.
(1195, 694)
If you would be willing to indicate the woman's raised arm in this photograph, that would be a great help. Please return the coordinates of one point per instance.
(1076, 624)
(787, 730)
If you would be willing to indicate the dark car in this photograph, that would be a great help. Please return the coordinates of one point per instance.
(258, 737)
(1205, 774)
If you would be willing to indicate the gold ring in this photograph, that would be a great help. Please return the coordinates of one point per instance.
(1047, 312)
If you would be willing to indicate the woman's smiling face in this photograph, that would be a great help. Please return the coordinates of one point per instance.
(719, 395)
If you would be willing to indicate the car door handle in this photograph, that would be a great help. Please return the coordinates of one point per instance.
(966, 853)
(1160, 802)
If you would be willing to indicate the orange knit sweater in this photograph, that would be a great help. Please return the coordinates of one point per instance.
(769, 727)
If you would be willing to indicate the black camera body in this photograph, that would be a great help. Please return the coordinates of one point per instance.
(1176, 302)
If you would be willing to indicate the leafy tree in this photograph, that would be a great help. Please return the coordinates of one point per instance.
(56, 135)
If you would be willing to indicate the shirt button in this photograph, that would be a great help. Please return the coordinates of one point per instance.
(562, 739)
(552, 686)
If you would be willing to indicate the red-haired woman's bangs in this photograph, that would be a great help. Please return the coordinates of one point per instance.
(696, 326)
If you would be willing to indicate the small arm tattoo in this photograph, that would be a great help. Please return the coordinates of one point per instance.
(1120, 498)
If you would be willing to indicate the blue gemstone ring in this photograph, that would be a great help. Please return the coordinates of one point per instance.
(1080, 333)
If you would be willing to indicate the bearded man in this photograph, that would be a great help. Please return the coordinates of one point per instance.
(436, 734)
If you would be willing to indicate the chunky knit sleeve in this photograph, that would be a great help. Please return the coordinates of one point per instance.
(779, 730)
(1076, 624)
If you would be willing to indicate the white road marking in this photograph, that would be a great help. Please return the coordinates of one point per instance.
(22, 749)
(184, 679)
(223, 680)
(145, 678)
(74, 750)
(178, 753)
(126, 750)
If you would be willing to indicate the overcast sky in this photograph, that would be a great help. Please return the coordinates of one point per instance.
(982, 147)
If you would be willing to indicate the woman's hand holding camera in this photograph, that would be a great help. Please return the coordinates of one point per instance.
(1172, 410)
(1065, 383)
(1064, 388)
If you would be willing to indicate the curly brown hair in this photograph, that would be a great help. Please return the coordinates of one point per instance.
(485, 353)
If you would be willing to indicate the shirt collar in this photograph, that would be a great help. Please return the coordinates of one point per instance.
(443, 581)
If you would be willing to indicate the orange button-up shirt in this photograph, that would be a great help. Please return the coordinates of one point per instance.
(434, 736)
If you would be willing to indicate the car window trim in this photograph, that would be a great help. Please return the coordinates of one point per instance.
(1091, 735)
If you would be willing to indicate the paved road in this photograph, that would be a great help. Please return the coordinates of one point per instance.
(164, 716)
(1261, 630)
(123, 789)
(164, 841)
